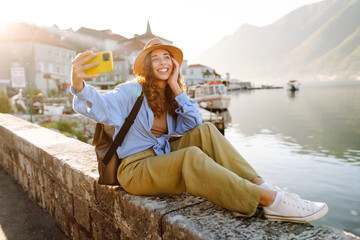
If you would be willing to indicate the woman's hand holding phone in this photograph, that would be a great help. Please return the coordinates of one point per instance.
(79, 67)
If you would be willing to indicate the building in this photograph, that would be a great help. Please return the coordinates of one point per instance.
(199, 74)
(85, 39)
(148, 35)
(47, 53)
(124, 50)
(124, 58)
(47, 60)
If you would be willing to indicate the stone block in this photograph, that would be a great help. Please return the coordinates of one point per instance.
(15, 156)
(64, 199)
(20, 176)
(49, 204)
(5, 162)
(105, 198)
(25, 184)
(38, 177)
(143, 214)
(68, 177)
(46, 162)
(12, 123)
(102, 227)
(208, 221)
(81, 213)
(32, 189)
(58, 169)
(79, 233)
(11, 152)
(49, 185)
(84, 186)
(79, 174)
(34, 141)
(21, 160)
(27, 148)
(64, 221)
(38, 194)
(6, 135)
(14, 171)
(28, 164)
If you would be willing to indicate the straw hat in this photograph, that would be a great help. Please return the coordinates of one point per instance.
(151, 45)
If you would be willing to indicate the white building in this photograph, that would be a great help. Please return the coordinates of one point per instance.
(47, 60)
(199, 74)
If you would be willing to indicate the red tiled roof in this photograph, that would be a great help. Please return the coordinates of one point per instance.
(102, 33)
(196, 66)
(131, 46)
(148, 35)
(23, 32)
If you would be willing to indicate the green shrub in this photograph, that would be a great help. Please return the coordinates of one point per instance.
(4, 103)
(34, 91)
(52, 92)
(66, 128)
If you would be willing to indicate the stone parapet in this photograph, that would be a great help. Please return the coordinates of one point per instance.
(60, 174)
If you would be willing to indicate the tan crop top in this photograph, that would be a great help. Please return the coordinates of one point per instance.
(160, 126)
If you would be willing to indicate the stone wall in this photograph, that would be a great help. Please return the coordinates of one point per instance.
(85, 125)
(60, 174)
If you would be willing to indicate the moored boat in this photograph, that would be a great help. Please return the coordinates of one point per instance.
(210, 96)
(293, 85)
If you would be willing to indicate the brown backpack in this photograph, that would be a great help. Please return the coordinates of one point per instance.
(105, 147)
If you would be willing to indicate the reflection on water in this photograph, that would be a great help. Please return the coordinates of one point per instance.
(308, 141)
(322, 119)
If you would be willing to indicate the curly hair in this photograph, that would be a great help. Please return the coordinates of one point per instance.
(159, 102)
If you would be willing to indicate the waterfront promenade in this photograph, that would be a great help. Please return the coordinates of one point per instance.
(21, 218)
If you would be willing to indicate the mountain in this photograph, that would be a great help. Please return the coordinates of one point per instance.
(320, 41)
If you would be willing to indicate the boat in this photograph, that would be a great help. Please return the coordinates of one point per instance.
(270, 86)
(293, 85)
(211, 96)
(237, 85)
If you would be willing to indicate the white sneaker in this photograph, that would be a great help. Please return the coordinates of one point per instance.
(294, 209)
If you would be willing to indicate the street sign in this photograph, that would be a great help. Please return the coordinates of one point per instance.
(18, 79)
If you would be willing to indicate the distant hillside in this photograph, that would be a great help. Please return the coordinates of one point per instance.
(319, 41)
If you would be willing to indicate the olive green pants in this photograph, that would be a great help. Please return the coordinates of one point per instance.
(202, 162)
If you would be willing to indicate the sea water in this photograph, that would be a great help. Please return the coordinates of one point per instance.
(307, 141)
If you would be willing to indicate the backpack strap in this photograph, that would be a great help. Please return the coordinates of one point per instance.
(124, 129)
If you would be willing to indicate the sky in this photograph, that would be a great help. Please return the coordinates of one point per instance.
(192, 25)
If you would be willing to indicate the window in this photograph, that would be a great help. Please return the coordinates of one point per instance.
(42, 66)
(50, 67)
(58, 69)
(15, 64)
(211, 90)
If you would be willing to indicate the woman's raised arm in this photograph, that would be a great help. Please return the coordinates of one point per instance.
(78, 69)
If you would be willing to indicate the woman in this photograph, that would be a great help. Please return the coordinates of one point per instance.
(202, 162)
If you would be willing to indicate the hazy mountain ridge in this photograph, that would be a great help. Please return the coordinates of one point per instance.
(317, 39)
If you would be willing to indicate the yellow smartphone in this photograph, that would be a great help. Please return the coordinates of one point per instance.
(105, 60)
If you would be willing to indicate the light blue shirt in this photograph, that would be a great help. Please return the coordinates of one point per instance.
(113, 107)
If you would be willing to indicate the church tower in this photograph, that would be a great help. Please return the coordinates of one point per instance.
(148, 29)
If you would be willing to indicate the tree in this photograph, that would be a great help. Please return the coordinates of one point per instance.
(207, 73)
(4, 103)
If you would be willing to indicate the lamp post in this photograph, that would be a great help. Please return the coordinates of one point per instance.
(29, 90)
